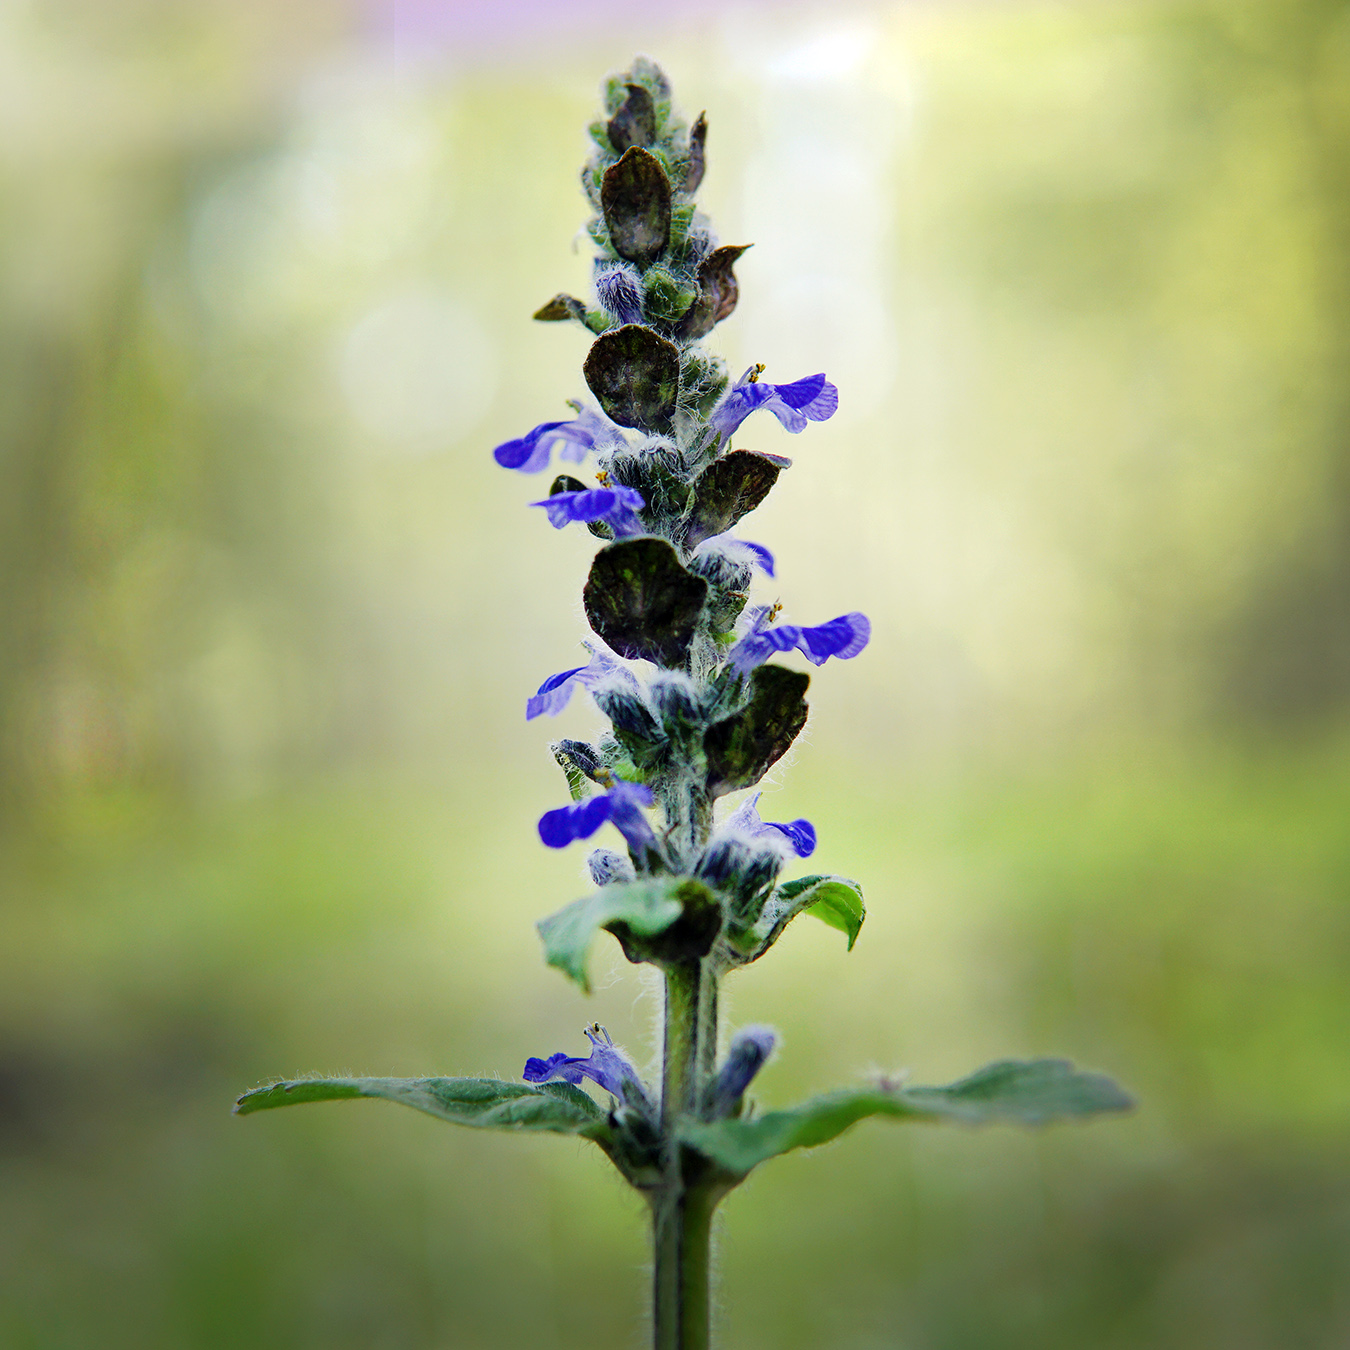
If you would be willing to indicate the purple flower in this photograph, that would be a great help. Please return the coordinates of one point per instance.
(617, 290)
(605, 1065)
(745, 821)
(746, 1056)
(616, 506)
(587, 431)
(843, 637)
(762, 555)
(740, 549)
(620, 806)
(556, 692)
(812, 398)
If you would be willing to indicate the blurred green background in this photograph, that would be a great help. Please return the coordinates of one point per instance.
(268, 615)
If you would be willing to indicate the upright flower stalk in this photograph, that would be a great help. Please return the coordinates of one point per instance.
(681, 666)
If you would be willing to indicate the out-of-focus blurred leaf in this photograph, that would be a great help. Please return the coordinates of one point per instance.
(1018, 1092)
(645, 908)
(484, 1103)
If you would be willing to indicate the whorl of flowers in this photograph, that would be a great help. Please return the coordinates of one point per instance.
(681, 665)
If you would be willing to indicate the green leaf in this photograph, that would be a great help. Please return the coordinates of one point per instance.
(645, 909)
(635, 199)
(642, 601)
(741, 749)
(484, 1103)
(635, 375)
(1018, 1092)
(836, 901)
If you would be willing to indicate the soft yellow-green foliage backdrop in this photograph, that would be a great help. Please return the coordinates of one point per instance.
(268, 616)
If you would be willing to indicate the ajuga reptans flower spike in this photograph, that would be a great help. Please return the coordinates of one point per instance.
(682, 666)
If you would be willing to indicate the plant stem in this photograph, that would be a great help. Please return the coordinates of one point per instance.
(682, 1208)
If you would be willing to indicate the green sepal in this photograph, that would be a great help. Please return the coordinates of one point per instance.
(1017, 1092)
(640, 910)
(483, 1103)
(664, 297)
(681, 221)
(836, 901)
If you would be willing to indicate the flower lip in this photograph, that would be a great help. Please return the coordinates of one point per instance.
(615, 506)
(741, 549)
(620, 806)
(606, 1065)
(588, 430)
(800, 833)
(556, 692)
(745, 823)
(810, 399)
(843, 637)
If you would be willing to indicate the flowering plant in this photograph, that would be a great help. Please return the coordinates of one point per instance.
(681, 666)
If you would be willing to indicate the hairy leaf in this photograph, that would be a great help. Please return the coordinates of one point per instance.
(1018, 1092)
(642, 601)
(635, 375)
(836, 901)
(741, 749)
(635, 199)
(718, 292)
(729, 488)
(485, 1103)
(645, 908)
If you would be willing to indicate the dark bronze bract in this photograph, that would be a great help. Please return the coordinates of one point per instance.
(693, 169)
(643, 603)
(729, 488)
(742, 749)
(635, 197)
(635, 374)
(717, 292)
(635, 123)
(562, 307)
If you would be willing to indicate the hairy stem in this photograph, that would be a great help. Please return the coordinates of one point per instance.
(682, 1208)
